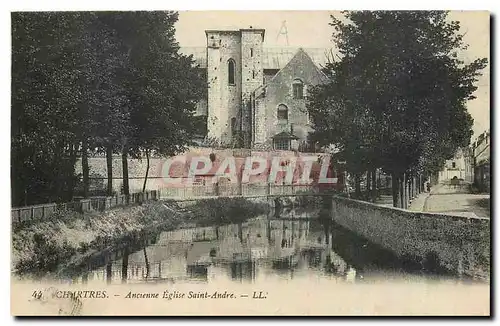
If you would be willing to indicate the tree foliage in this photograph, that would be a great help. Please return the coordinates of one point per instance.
(397, 97)
(112, 82)
(44, 105)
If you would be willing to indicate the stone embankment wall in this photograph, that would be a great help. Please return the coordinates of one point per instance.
(459, 244)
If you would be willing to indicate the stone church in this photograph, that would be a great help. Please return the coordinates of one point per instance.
(256, 96)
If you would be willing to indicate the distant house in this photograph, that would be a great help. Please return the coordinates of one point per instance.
(481, 157)
(459, 167)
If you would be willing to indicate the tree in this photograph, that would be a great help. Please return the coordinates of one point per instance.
(95, 81)
(106, 73)
(163, 87)
(397, 97)
(45, 97)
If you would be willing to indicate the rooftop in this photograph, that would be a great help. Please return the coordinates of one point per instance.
(273, 57)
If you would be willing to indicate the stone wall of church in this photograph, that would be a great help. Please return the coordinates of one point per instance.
(252, 76)
(224, 100)
(280, 91)
(260, 123)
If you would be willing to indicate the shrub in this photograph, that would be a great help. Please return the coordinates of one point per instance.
(225, 211)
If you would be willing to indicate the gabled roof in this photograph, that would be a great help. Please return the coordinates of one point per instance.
(278, 58)
(300, 52)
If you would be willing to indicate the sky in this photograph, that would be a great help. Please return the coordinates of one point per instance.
(310, 29)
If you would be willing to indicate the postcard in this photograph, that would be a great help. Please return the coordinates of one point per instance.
(250, 163)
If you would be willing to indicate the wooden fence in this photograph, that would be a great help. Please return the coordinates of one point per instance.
(41, 212)
(101, 203)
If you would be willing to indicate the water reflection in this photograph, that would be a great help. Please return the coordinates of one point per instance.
(284, 244)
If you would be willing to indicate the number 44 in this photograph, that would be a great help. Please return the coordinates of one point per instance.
(37, 294)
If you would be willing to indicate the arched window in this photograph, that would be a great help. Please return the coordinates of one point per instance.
(298, 89)
(230, 71)
(282, 112)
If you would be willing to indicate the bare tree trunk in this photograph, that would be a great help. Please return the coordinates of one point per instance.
(268, 229)
(126, 189)
(405, 190)
(240, 232)
(85, 277)
(374, 185)
(85, 167)
(357, 185)
(147, 171)
(401, 191)
(125, 264)
(414, 186)
(109, 269)
(146, 261)
(71, 183)
(327, 233)
(410, 195)
(368, 182)
(109, 164)
(396, 194)
(283, 234)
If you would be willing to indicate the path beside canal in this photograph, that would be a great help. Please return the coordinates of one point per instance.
(452, 201)
(447, 200)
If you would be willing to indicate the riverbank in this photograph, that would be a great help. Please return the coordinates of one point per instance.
(69, 238)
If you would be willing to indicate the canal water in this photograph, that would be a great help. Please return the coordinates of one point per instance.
(285, 244)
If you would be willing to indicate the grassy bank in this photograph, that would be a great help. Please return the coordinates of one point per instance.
(68, 238)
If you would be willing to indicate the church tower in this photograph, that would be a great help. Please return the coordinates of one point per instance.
(234, 70)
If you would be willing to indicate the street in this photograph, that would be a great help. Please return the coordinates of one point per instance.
(444, 200)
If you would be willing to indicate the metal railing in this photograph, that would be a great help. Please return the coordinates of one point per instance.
(236, 190)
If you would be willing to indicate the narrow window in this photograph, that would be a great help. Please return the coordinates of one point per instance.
(282, 112)
(453, 165)
(298, 89)
(230, 71)
(253, 74)
(251, 52)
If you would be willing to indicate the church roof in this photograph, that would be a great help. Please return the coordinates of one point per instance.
(272, 58)
(277, 58)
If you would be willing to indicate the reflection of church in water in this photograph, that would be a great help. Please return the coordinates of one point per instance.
(255, 250)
